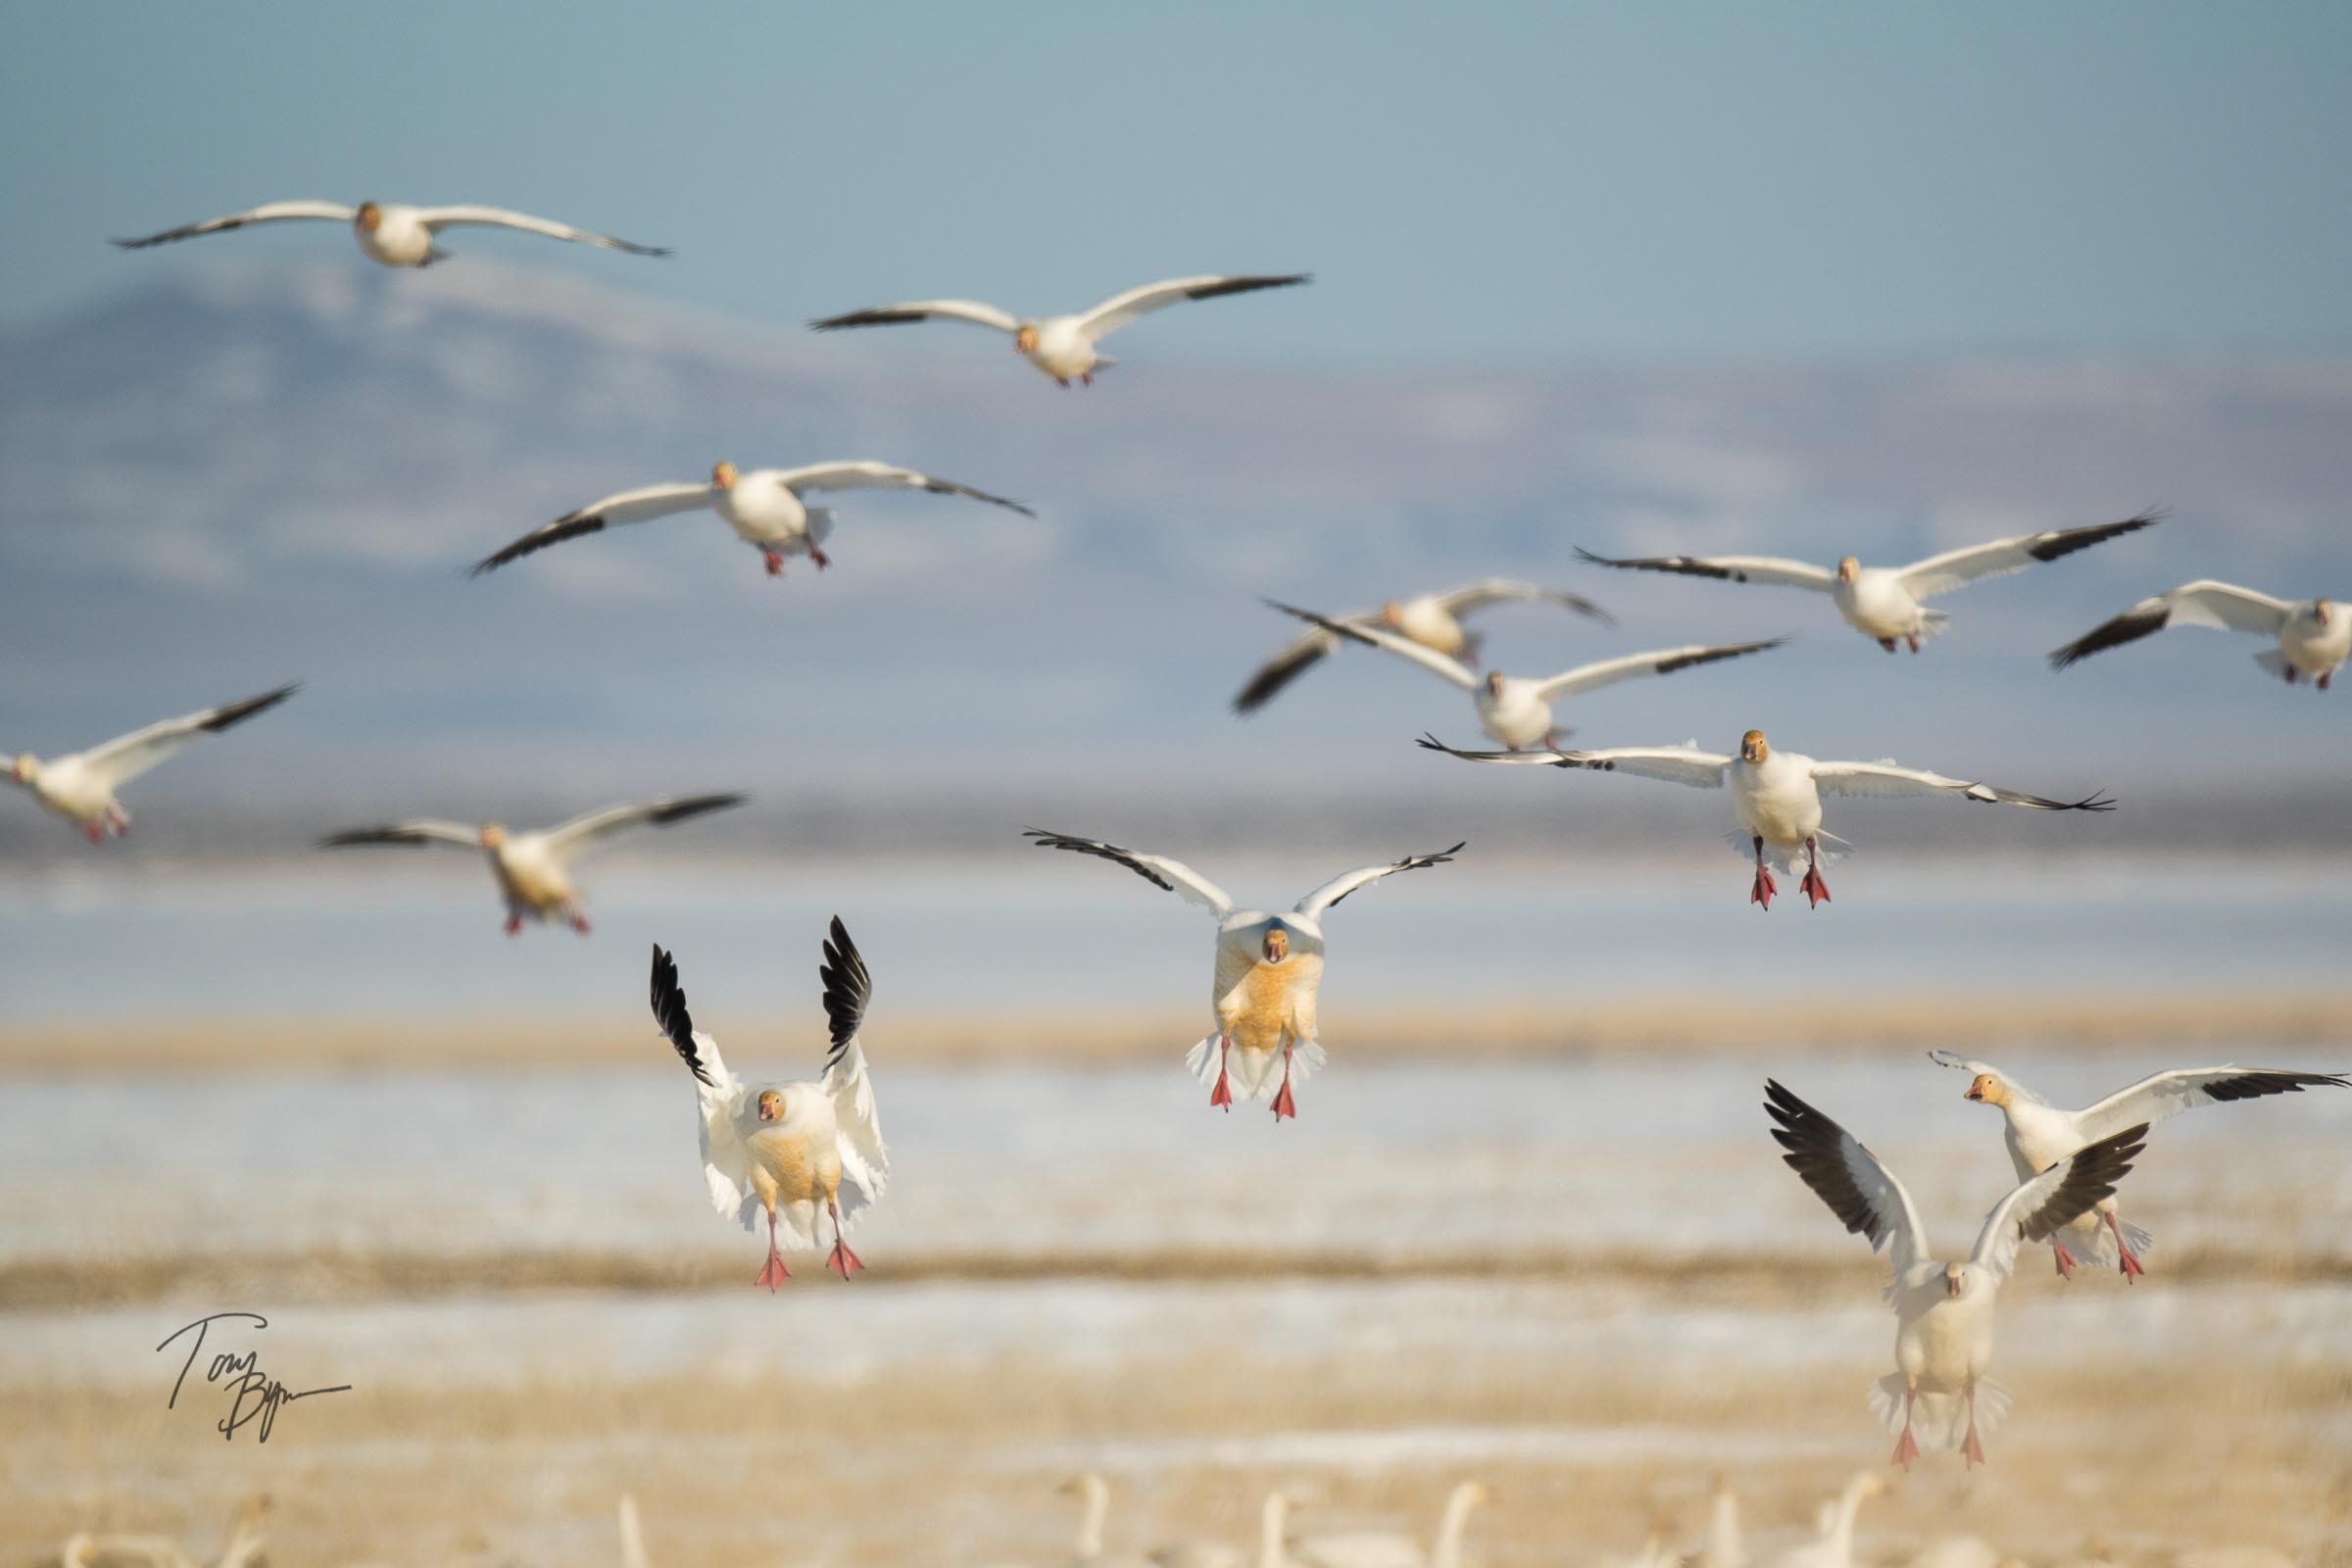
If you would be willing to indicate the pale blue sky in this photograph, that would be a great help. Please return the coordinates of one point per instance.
(1485, 185)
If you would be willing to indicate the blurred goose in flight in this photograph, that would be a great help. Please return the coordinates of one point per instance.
(1885, 602)
(1063, 346)
(392, 234)
(766, 508)
(1944, 1310)
(2314, 635)
(1434, 620)
(1513, 709)
(1268, 969)
(1775, 796)
(2040, 1134)
(788, 1150)
(534, 869)
(80, 787)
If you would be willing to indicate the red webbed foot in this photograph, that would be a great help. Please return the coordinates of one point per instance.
(1763, 888)
(1905, 1450)
(2065, 1258)
(1283, 1104)
(773, 1273)
(580, 923)
(843, 1262)
(1970, 1448)
(1222, 1095)
(93, 832)
(776, 563)
(513, 926)
(821, 558)
(2130, 1265)
(1814, 888)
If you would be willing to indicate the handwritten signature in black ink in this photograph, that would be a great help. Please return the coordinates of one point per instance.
(253, 1394)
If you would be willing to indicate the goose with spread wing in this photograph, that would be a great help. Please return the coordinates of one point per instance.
(788, 1150)
(391, 232)
(2040, 1134)
(1268, 970)
(1514, 710)
(81, 786)
(1939, 1393)
(1434, 620)
(2314, 635)
(1063, 347)
(1775, 796)
(766, 507)
(1888, 603)
(534, 869)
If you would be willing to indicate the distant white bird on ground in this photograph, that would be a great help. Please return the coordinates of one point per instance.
(1944, 1310)
(1434, 620)
(1515, 710)
(1885, 603)
(1724, 1547)
(789, 1149)
(534, 869)
(1775, 796)
(1836, 1546)
(389, 232)
(632, 1536)
(766, 508)
(1094, 1493)
(2314, 635)
(1381, 1548)
(1268, 970)
(1063, 346)
(2040, 1134)
(81, 786)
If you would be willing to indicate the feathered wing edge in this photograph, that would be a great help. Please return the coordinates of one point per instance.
(718, 1094)
(849, 987)
(1940, 1420)
(1255, 1074)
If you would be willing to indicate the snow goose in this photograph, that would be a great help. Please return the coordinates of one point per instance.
(632, 1536)
(1434, 620)
(1884, 603)
(2314, 635)
(766, 507)
(1515, 710)
(1944, 1310)
(1775, 796)
(80, 787)
(787, 1148)
(534, 869)
(1374, 1549)
(390, 233)
(1836, 1546)
(1063, 346)
(2040, 1134)
(1723, 1549)
(1268, 969)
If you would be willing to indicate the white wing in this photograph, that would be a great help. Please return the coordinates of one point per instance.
(864, 1159)
(2167, 1093)
(1731, 568)
(1956, 568)
(921, 311)
(1429, 659)
(126, 757)
(438, 218)
(1120, 309)
(718, 1094)
(864, 475)
(1339, 887)
(1157, 869)
(629, 506)
(2039, 1204)
(1860, 1189)
(581, 832)
(1658, 662)
(1886, 780)
(2219, 606)
(267, 212)
(419, 832)
(1487, 591)
(1674, 764)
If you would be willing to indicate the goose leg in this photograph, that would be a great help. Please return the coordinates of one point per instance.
(2324, 678)
(95, 832)
(1911, 638)
(1887, 643)
(1222, 1095)
(1813, 887)
(579, 922)
(1283, 1104)
(514, 923)
(2129, 1264)
(2289, 673)
(1906, 1448)
(1970, 1447)
(843, 1262)
(1087, 378)
(1764, 887)
(120, 819)
(772, 1273)
(776, 563)
(2065, 1259)
(818, 555)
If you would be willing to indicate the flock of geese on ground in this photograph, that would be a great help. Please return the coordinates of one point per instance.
(807, 1156)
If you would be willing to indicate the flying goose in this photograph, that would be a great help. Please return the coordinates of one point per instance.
(1515, 710)
(1944, 1310)
(763, 505)
(81, 786)
(2314, 635)
(1434, 620)
(2040, 1134)
(1775, 796)
(1885, 602)
(787, 1148)
(389, 232)
(1268, 969)
(1063, 346)
(534, 869)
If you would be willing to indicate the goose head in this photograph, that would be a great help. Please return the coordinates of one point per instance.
(20, 770)
(722, 476)
(772, 1105)
(492, 836)
(1987, 1089)
(1024, 338)
(1392, 614)
(1277, 945)
(1752, 747)
(370, 218)
(1848, 568)
(2323, 612)
(1494, 684)
(1955, 1280)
